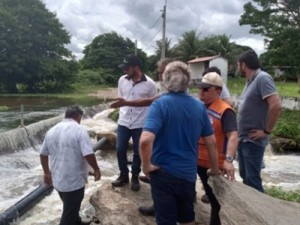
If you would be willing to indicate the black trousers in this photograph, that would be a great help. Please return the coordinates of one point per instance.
(215, 206)
(71, 206)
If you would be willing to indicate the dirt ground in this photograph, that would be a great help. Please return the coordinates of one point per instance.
(108, 93)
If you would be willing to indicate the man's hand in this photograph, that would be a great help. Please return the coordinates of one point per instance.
(147, 169)
(228, 170)
(119, 102)
(48, 179)
(257, 134)
(97, 174)
(213, 172)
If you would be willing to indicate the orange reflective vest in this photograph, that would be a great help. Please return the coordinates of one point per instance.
(215, 112)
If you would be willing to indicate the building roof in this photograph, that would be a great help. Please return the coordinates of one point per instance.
(203, 59)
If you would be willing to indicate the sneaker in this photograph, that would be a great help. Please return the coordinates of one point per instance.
(135, 184)
(205, 199)
(120, 181)
(147, 210)
(144, 179)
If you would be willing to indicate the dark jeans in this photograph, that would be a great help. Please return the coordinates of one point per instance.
(215, 206)
(173, 198)
(250, 164)
(123, 136)
(71, 206)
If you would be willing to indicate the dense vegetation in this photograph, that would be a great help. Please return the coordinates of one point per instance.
(288, 125)
(279, 22)
(33, 54)
(292, 196)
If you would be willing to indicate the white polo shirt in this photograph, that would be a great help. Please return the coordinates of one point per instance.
(134, 117)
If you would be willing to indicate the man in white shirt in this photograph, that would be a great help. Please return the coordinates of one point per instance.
(69, 149)
(131, 86)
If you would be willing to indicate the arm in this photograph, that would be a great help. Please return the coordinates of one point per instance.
(135, 103)
(45, 165)
(211, 144)
(274, 103)
(146, 145)
(91, 159)
(274, 110)
(231, 150)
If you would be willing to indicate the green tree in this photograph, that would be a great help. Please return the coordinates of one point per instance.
(169, 50)
(107, 51)
(188, 46)
(32, 45)
(279, 22)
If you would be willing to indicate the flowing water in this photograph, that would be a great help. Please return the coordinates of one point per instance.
(35, 109)
(20, 173)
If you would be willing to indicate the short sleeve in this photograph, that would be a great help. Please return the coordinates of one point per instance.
(266, 86)
(154, 118)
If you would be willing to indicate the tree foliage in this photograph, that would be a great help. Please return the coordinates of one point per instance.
(188, 46)
(279, 22)
(32, 46)
(107, 51)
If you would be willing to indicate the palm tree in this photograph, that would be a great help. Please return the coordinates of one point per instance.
(188, 46)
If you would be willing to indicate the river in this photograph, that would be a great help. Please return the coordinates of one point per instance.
(21, 173)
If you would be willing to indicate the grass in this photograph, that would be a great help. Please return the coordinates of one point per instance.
(285, 89)
(292, 196)
(3, 108)
(78, 92)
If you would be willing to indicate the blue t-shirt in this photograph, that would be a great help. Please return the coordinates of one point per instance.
(178, 120)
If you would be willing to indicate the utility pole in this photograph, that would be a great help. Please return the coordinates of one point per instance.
(135, 47)
(163, 42)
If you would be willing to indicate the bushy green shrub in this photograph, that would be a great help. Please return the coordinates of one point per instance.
(288, 125)
(114, 115)
(292, 196)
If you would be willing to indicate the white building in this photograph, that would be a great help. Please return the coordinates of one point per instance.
(198, 65)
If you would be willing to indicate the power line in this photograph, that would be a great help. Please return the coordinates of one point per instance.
(149, 29)
(151, 40)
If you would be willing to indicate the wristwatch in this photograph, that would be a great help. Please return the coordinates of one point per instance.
(229, 158)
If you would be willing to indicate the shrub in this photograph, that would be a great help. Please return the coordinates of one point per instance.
(292, 196)
(288, 125)
(114, 115)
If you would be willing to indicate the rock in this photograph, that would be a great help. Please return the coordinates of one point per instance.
(244, 205)
(282, 145)
(110, 144)
(119, 206)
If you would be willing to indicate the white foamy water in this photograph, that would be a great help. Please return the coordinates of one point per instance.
(21, 173)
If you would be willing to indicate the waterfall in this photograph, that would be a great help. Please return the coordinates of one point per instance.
(26, 137)
(32, 135)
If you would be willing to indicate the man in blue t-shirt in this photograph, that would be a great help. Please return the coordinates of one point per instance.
(168, 147)
(258, 112)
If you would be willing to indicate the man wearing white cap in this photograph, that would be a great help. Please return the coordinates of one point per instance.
(223, 119)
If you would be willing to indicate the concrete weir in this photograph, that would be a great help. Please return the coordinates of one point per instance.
(32, 135)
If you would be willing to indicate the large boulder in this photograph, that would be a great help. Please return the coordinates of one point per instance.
(241, 205)
(244, 205)
(119, 206)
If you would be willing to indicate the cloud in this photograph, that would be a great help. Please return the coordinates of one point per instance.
(141, 20)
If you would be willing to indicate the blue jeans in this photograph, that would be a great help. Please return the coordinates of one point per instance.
(250, 164)
(173, 198)
(123, 136)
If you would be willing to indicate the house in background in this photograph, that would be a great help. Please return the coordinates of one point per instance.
(198, 65)
(280, 71)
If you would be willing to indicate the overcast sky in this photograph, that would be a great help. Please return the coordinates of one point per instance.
(141, 20)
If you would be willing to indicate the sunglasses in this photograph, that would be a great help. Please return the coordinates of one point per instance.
(206, 89)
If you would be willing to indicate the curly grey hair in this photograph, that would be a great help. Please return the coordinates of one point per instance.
(176, 77)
